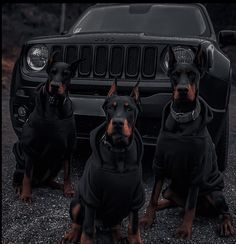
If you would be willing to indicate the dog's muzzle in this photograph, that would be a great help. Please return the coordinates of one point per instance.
(182, 90)
(54, 86)
(118, 124)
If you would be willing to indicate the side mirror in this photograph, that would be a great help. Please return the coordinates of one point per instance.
(64, 32)
(227, 38)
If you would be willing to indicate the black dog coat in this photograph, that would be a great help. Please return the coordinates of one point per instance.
(114, 194)
(188, 158)
(45, 142)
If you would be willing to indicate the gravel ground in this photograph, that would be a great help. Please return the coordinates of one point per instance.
(47, 218)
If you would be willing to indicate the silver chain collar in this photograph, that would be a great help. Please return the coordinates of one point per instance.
(186, 117)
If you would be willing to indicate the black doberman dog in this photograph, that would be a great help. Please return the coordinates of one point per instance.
(48, 136)
(111, 186)
(186, 154)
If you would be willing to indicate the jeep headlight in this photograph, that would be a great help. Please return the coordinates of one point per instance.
(182, 55)
(37, 57)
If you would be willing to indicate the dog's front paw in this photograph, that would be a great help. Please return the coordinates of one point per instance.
(226, 226)
(184, 231)
(85, 239)
(135, 238)
(73, 235)
(147, 220)
(68, 190)
(26, 198)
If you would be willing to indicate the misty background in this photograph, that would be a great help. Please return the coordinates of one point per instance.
(20, 22)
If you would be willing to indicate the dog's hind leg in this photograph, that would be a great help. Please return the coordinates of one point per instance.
(171, 199)
(77, 217)
(217, 199)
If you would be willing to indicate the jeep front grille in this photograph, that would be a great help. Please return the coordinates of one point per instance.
(101, 61)
(71, 54)
(116, 61)
(108, 61)
(86, 52)
(149, 62)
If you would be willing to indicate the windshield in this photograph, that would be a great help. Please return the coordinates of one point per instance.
(153, 19)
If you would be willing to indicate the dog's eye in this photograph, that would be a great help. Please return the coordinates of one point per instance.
(112, 106)
(128, 107)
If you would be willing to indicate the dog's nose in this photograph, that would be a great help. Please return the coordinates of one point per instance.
(55, 86)
(118, 122)
(182, 89)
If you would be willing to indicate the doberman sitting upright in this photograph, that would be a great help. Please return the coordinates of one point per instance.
(48, 136)
(186, 154)
(111, 186)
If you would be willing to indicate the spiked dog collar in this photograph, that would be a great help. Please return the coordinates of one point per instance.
(186, 117)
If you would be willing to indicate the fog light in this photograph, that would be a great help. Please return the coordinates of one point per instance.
(22, 111)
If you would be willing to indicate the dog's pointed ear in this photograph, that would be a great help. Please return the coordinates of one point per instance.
(200, 58)
(74, 66)
(135, 91)
(136, 95)
(51, 60)
(172, 60)
(113, 89)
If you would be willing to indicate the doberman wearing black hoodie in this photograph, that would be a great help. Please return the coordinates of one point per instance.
(185, 153)
(111, 185)
(48, 136)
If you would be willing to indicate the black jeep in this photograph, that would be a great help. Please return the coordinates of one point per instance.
(129, 41)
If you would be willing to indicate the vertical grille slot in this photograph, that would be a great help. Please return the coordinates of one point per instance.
(71, 54)
(86, 52)
(149, 62)
(132, 62)
(116, 61)
(59, 55)
(101, 61)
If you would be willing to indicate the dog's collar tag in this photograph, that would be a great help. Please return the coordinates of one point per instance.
(51, 100)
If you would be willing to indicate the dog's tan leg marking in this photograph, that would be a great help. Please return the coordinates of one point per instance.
(74, 233)
(68, 188)
(134, 238)
(116, 233)
(86, 239)
(225, 228)
(148, 218)
(26, 194)
(184, 231)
